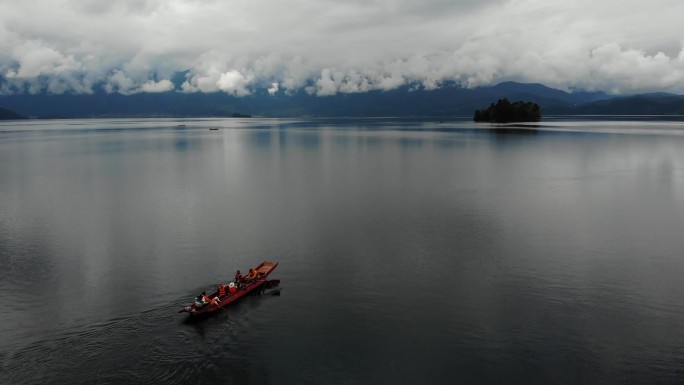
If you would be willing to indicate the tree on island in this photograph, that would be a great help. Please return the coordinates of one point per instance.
(505, 112)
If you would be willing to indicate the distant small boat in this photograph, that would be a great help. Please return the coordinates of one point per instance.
(213, 129)
(181, 125)
(263, 270)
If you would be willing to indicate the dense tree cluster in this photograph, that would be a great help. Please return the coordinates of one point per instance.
(505, 112)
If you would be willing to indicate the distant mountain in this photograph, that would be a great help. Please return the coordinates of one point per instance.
(451, 99)
(644, 104)
(6, 114)
(102, 104)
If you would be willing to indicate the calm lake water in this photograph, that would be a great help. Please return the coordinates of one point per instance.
(410, 251)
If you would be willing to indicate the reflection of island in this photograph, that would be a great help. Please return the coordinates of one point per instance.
(513, 131)
(6, 114)
(504, 112)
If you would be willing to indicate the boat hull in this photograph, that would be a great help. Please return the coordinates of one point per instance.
(264, 269)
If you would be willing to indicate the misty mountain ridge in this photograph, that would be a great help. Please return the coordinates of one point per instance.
(449, 100)
(6, 114)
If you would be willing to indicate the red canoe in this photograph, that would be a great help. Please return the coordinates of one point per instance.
(263, 270)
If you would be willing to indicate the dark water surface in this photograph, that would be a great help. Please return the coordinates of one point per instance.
(410, 252)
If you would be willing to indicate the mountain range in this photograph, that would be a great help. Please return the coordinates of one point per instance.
(449, 100)
(6, 114)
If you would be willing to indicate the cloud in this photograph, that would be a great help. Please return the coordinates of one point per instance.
(326, 85)
(119, 82)
(34, 58)
(160, 86)
(327, 47)
(214, 79)
(273, 89)
(233, 82)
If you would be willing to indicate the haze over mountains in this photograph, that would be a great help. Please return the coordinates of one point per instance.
(77, 58)
(449, 100)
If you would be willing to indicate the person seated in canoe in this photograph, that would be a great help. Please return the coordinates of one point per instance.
(202, 300)
(215, 301)
(238, 279)
(251, 275)
(232, 287)
(222, 290)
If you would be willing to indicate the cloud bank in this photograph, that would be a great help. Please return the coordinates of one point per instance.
(326, 47)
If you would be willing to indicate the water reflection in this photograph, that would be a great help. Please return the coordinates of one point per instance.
(512, 131)
(262, 138)
(310, 140)
(414, 251)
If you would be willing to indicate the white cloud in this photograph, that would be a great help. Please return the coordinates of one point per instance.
(326, 85)
(119, 82)
(233, 82)
(160, 86)
(273, 89)
(34, 58)
(329, 47)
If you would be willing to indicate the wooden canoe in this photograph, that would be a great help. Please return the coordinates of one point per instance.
(263, 271)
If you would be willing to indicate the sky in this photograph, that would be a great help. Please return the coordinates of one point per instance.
(325, 47)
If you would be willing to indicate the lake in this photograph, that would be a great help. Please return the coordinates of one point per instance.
(410, 251)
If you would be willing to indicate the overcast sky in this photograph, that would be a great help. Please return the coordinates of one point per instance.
(326, 46)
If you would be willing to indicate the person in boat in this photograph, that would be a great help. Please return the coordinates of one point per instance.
(205, 298)
(201, 300)
(251, 275)
(222, 290)
(232, 287)
(215, 301)
(238, 279)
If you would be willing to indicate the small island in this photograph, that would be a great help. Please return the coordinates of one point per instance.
(506, 112)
